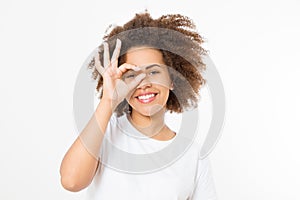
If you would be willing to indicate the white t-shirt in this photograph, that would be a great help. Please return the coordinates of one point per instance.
(185, 178)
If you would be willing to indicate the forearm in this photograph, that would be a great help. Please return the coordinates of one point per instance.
(80, 162)
(92, 135)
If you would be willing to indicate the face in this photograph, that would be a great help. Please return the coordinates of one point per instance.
(152, 93)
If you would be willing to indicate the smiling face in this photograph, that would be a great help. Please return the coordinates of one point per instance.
(152, 93)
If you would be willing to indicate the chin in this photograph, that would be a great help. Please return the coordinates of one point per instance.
(149, 110)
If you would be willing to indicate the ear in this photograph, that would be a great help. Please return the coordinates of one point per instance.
(172, 86)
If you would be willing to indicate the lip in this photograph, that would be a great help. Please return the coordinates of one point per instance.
(146, 99)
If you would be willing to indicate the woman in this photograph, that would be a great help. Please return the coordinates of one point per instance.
(124, 149)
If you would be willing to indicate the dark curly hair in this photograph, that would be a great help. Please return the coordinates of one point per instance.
(176, 37)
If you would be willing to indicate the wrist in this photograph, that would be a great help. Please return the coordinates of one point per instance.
(107, 104)
(112, 102)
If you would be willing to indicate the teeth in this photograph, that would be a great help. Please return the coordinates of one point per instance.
(146, 96)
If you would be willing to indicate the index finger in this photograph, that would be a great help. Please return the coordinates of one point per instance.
(126, 66)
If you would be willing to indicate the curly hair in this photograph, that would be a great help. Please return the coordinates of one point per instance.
(176, 37)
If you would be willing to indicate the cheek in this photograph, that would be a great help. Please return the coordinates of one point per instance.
(165, 95)
(130, 100)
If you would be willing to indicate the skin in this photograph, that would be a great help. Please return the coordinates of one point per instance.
(81, 161)
(148, 117)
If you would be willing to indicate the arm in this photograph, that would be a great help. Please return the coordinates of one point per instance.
(81, 161)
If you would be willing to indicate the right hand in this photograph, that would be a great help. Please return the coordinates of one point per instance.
(114, 88)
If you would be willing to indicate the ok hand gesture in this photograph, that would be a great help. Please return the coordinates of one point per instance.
(114, 88)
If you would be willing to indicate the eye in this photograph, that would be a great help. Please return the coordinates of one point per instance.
(153, 72)
(130, 76)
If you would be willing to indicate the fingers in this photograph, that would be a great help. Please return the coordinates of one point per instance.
(126, 66)
(134, 83)
(106, 57)
(107, 62)
(116, 53)
(98, 65)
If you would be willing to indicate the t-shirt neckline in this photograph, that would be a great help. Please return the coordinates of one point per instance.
(127, 128)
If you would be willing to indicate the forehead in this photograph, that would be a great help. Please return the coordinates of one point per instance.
(142, 56)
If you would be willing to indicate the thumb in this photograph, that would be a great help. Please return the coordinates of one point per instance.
(136, 81)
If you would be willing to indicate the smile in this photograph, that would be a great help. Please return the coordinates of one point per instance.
(146, 98)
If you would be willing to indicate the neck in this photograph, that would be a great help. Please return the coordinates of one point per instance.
(149, 125)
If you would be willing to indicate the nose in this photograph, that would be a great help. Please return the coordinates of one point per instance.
(146, 83)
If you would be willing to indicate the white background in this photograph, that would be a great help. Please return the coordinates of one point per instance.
(254, 45)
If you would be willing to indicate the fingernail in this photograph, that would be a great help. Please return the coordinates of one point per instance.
(118, 41)
(136, 68)
(141, 76)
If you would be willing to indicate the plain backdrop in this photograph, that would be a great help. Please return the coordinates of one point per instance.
(254, 45)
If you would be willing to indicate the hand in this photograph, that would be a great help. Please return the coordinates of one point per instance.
(114, 88)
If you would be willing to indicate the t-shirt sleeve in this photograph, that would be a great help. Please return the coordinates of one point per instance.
(204, 184)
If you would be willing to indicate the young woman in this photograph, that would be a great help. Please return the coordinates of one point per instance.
(126, 150)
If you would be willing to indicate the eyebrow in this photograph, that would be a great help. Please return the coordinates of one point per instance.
(153, 65)
(147, 67)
